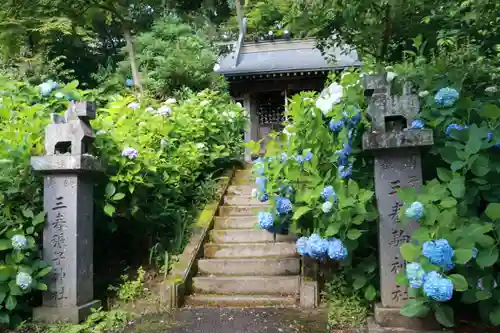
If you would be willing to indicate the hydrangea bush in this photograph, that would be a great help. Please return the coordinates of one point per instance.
(317, 184)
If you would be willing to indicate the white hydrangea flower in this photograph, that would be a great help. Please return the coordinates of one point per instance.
(150, 109)
(170, 101)
(204, 103)
(391, 76)
(200, 145)
(423, 94)
(492, 89)
(329, 97)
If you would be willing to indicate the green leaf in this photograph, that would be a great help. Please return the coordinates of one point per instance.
(480, 167)
(301, 211)
(109, 209)
(332, 229)
(475, 140)
(370, 293)
(41, 286)
(5, 244)
(43, 272)
(3, 294)
(448, 202)
(359, 282)
(110, 190)
(10, 303)
(353, 234)
(457, 187)
(463, 256)
(5, 272)
(487, 258)
(118, 196)
(457, 165)
(483, 295)
(495, 316)
(459, 282)
(28, 213)
(4, 318)
(490, 111)
(352, 188)
(444, 174)
(444, 315)
(365, 195)
(493, 211)
(410, 252)
(415, 308)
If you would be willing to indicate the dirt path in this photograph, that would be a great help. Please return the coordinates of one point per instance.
(232, 320)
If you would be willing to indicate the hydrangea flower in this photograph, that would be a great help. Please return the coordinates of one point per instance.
(336, 126)
(134, 105)
(317, 246)
(391, 76)
(417, 124)
(454, 127)
(59, 95)
(24, 280)
(266, 220)
(344, 154)
(259, 168)
(492, 89)
(480, 285)
(283, 205)
(329, 97)
(345, 171)
(327, 207)
(284, 157)
(415, 211)
(19, 242)
(475, 252)
(301, 246)
(47, 87)
(440, 253)
(300, 159)
(490, 136)
(415, 275)
(129, 83)
(130, 153)
(170, 101)
(336, 250)
(264, 197)
(437, 287)
(328, 193)
(356, 118)
(164, 111)
(446, 97)
(261, 183)
(308, 157)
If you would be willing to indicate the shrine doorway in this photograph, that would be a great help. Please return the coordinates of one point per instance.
(270, 107)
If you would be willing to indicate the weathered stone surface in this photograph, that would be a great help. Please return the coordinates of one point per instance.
(391, 317)
(402, 139)
(243, 200)
(250, 250)
(213, 300)
(374, 327)
(240, 210)
(54, 315)
(66, 163)
(252, 267)
(248, 236)
(247, 285)
(235, 222)
(309, 294)
(393, 170)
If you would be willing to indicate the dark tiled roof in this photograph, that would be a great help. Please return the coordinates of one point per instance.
(282, 56)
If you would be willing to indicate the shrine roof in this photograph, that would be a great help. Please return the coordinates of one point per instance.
(283, 56)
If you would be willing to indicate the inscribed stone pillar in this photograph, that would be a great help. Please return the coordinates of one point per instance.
(395, 168)
(68, 202)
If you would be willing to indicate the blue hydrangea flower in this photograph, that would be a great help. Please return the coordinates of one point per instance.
(286, 190)
(134, 105)
(300, 159)
(356, 118)
(317, 246)
(336, 250)
(415, 275)
(345, 171)
(437, 287)
(47, 87)
(415, 211)
(19, 242)
(130, 153)
(344, 153)
(490, 136)
(417, 124)
(129, 83)
(327, 207)
(259, 167)
(284, 157)
(440, 253)
(336, 126)
(446, 97)
(23, 280)
(266, 220)
(308, 157)
(475, 252)
(454, 127)
(283, 205)
(261, 183)
(264, 197)
(301, 246)
(328, 193)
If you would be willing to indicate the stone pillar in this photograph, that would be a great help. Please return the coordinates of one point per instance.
(395, 168)
(68, 247)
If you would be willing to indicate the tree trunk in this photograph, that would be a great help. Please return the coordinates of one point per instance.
(133, 64)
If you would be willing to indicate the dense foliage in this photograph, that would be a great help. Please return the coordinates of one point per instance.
(159, 158)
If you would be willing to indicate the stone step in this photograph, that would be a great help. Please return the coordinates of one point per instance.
(240, 210)
(247, 285)
(243, 201)
(250, 250)
(247, 173)
(262, 267)
(235, 222)
(247, 236)
(245, 190)
(214, 300)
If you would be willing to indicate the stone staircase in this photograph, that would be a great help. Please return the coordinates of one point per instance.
(242, 264)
